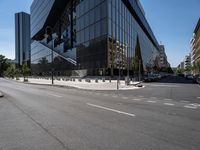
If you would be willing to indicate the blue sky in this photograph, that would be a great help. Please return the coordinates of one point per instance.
(172, 22)
(7, 27)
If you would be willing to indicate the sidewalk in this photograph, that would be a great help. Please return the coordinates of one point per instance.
(85, 85)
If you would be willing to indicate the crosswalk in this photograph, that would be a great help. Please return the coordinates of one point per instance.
(150, 100)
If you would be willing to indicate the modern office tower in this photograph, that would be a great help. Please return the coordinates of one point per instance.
(195, 46)
(22, 38)
(90, 37)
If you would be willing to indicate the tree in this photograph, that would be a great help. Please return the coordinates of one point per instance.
(25, 71)
(135, 64)
(11, 71)
(3, 64)
(17, 73)
(198, 67)
(179, 71)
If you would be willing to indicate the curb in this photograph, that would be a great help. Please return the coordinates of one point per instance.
(65, 86)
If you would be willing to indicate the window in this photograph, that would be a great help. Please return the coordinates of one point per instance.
(91, 32)
(97, 29)
(97, 13)
(87, 34)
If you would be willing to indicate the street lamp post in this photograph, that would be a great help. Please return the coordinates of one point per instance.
(119, 62)
(49, 33)
(139, 70)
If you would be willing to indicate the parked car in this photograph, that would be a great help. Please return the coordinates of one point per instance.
(149, 78)
(189, 77)
(198, 80)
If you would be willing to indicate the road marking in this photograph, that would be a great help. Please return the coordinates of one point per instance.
(136, 99)
(110, 109)
(169, 104)
(164, 85)
(168, 99)
(114, 96)
(198, 97)
(184, 101)
(124, 97)
(191, 107)
(153, 97)
(152, 101)
(105, 94)
(195, 104)
(55, 95)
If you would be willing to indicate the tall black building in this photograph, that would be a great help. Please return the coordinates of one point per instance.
(22, 38)
(91, 37)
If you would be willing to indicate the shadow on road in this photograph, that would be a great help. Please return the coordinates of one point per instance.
(176, 79)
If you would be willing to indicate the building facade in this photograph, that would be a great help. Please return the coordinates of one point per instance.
(22, 38)
(163, 57)
(195, 47)
(91, 37)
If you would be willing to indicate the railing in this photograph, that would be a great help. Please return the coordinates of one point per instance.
(60, 54)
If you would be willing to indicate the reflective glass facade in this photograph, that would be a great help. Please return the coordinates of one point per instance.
(91, 35)
(22, 38)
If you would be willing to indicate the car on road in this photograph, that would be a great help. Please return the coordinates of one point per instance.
(150, 78)
(198, 80)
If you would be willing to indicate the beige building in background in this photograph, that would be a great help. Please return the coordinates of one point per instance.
(195, 45)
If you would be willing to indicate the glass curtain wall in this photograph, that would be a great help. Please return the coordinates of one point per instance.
(123, 33)
(92, 36)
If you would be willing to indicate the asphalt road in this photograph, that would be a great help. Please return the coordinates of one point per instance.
(162, 116)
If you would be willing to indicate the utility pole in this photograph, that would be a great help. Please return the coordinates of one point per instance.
(49, 31)
(139, 70)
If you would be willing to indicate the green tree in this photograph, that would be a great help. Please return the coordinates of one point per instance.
(3, 64)
(179, 71)
(11, 71)
(25, 71)
(198, 67)
(135, 65)
(17, 73)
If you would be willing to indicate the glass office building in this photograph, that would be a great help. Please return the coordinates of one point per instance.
(22, 38)
(90, 37)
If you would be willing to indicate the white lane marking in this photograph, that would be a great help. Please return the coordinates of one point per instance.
(198, 97)
(124, 97)
(195, 104)
(184, 101)
(143, 98)
(55, 95)
(114, 96)
(110, 109)
(136, 99)
(191, 107)
(152, 101)
(169, 104)
(164, 85)
(168, 99)
(153, 97)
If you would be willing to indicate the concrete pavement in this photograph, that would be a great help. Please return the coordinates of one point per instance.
(42, 117)
(92, 85)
